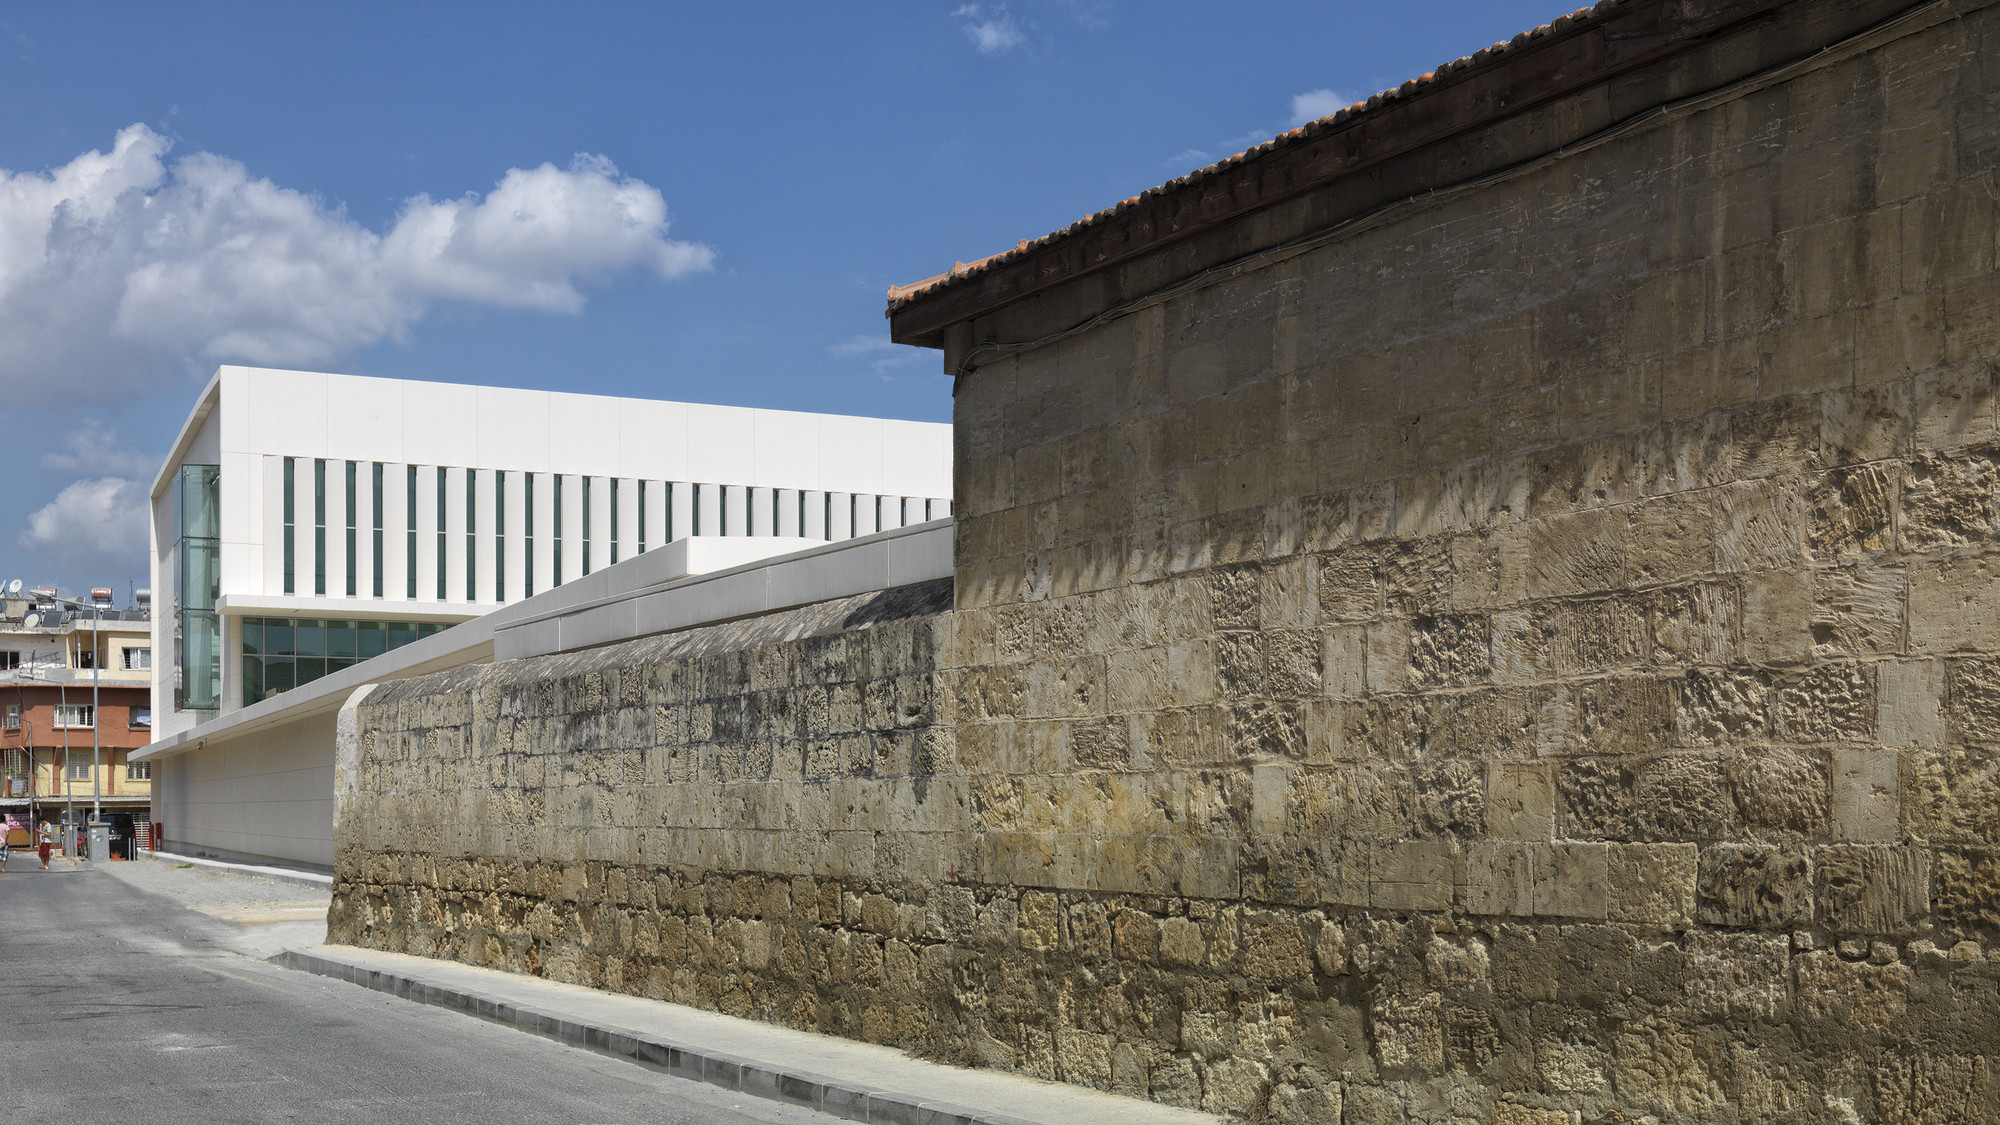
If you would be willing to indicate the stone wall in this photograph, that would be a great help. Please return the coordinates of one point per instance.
(1533, 659)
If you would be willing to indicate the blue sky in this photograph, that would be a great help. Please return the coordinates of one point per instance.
(718, 195)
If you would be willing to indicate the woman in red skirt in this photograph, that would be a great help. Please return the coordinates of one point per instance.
(46, 843)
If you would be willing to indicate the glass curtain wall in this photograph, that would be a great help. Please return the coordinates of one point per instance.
(197, 629)
(281, 653)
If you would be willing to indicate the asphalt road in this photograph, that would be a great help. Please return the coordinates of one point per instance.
(118, 1004)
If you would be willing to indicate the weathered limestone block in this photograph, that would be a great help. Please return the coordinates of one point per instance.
(1754, 887)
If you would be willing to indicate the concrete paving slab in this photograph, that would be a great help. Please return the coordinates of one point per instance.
(874, 1083)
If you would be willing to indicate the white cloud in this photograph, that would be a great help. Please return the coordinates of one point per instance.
(92, 449)
(93, 524)
(119, 262)
(992, 29)
(891, 353)
(1309, 106)
(1315, 104)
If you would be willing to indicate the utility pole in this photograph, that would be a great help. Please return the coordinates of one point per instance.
(97, 599)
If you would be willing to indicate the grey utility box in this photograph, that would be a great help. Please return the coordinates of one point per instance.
(100, 842)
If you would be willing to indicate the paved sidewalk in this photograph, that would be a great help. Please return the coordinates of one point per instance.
(875, 1084)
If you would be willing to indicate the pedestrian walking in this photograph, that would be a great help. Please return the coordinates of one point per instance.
(6, 841)
(46, 843)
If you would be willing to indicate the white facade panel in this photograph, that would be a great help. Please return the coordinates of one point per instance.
(456, 562)
(485, 524)
(569, 528)
(511, 554)
(541, 523)
(427, 560)
(443, 425)
(272, 469)
(722, 444)
(681, 510)
(814, 506)
(840, 515)
(395, 531)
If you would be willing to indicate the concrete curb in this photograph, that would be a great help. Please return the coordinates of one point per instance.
(275, 874)
(757, 1078)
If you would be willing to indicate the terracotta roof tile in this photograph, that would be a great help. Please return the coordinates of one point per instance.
(1451, 71)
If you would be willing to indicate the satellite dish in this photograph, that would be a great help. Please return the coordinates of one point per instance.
(14, 587)
(32, 621)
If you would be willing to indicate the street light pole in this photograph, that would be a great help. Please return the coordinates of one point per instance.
(96, 668)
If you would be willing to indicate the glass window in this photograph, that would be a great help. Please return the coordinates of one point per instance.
(278, 636)
(13, 721)
(291, 502)
(138, 771)
(253, 678)
(280, 675)
(340, 639)
(528, 535)
(401, 633)
(309, 638)
(555, 578)
(586, 525)
(141, 718)
(377, 472)
(353, 556)
(614, 521)
(410, 555)
(319, 527)
(138, 659)
(10, 658)
(76, 715)
(471, 538)
(441, 569)
(76, 767)
(642, 516)
(370, 639)
(499, 536)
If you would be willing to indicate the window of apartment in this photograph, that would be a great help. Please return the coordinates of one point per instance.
(410, 556)
(10, 658)
(614, 521)
(827, 522)
(556, 578)
(586, 525)
(138, 659)
(527, 535)
(471, 539)
(139, 718)
(694, 509)
(442, 573)
(377, 470)
(319, 526)
(138, 771)
(499, 536)
(76, 767)
(353, 504)
(75, 716)
(291, 504)
(12, 720)
(642, 515)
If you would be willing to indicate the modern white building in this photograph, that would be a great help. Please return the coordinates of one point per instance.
(305, 522)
